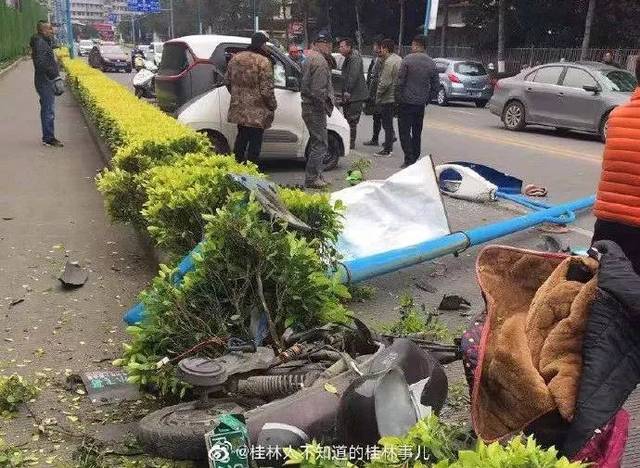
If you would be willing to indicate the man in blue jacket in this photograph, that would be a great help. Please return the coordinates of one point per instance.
(46, 70)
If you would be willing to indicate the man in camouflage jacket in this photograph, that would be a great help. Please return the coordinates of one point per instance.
(253, 101)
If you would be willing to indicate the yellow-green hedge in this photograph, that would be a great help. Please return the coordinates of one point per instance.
(140, 135)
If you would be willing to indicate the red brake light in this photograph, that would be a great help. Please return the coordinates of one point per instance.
(453, 78)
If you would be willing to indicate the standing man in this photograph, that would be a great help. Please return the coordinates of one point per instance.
(253, 101)
(373, 75)
(354, 88)
(317, 105)
(46, 70)
(385, 95)
(418, 81)
(296, 54)
(617, 207)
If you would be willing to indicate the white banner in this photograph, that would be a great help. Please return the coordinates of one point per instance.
(401, 211)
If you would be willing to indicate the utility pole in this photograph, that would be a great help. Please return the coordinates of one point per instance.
(256, 19)
(133, 29)
(591, 10)
(199, 18)
(171, 30)
(502, 5)
(69, 29)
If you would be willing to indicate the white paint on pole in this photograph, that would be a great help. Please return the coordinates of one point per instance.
(433, 14)
(501, 66)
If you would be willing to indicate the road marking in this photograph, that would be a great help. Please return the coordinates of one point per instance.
(594, 158)
(463, 112)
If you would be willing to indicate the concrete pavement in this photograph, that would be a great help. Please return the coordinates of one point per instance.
(50, 212)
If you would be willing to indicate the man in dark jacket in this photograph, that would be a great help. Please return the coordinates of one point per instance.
(46, 70)
(317, 103)
(354, 88)
(418, 81)
(373, 76)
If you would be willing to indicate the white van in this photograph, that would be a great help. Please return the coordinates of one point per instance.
(288, 136)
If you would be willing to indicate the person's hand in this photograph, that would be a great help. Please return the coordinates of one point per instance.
(346, 98)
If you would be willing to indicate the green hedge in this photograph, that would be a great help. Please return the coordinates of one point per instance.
(17, 26)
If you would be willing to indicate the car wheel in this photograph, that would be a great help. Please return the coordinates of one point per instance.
(604, 128)
(442, 97)
(336, 151)
(482, 103)
(218, 143)
(513, 116)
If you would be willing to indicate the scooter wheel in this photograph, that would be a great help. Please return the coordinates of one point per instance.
(177, 432)
(139, 92)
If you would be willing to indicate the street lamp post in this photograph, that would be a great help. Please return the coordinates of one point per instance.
(171, 31)
(69, 29)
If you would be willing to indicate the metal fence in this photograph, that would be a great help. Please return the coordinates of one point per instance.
(515, 59)
(17, 25)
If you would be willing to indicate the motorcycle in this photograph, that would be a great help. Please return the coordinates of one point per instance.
(144, 79)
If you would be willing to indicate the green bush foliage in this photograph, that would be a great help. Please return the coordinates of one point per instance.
(245, 258)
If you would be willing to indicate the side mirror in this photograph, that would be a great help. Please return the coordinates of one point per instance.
(293, 83)
(592, 89)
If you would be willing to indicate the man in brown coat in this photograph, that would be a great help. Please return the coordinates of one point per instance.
(253, 101)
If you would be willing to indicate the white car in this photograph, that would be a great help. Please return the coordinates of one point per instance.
(288, 136)
(85, 46)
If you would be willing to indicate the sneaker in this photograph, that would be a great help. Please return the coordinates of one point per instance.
(383, 154)
(371, 143)
(53, 143)
(317, 184)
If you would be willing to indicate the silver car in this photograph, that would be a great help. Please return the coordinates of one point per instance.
(568, 96)
(463, 80)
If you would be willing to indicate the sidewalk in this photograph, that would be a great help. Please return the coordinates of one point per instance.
(49, 208)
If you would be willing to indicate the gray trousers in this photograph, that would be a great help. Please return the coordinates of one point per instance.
(316, 121)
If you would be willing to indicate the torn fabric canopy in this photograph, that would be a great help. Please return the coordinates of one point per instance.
(383, 215)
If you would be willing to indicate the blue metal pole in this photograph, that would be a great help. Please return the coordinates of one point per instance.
(427, 15)
(361, 269)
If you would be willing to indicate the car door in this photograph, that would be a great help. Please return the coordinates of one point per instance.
(581, 109)
(542, 95)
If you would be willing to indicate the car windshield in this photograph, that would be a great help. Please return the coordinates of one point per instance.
(470, 69)
(112, 50)
(620, 80)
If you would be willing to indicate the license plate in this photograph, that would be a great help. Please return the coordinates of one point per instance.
(476, 94)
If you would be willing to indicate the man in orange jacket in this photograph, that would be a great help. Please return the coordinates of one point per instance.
(618, 201)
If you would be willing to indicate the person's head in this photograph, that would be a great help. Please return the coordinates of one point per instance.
(45, 29)
(419, 44)
(295, 51)
(608, 57)
(346, 47)
(259, 41)
(387, 47)
(322, 44)
(376, 45)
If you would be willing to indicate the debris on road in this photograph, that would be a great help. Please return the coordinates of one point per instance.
(15, 302)
(7, 218)
(107, 386)
(535, 191)
(554, 245)
(453, 302)
(426, 287)
(73, 276)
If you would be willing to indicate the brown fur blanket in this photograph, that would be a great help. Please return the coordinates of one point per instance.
(531, 347)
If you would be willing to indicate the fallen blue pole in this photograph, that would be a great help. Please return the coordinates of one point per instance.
(360, 269)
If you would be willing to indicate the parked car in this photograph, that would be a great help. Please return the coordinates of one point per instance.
(195, 64)
(463, 80)
(155, 49)
(568, 96)
(84, 47)
(109, 57)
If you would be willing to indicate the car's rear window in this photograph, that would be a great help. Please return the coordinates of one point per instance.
(621, 81)
(174, 59)
(470, 68)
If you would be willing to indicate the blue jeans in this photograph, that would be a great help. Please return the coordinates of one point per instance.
(47, 110)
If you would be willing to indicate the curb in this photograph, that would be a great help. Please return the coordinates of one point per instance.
(11, 66)
(145, 240)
